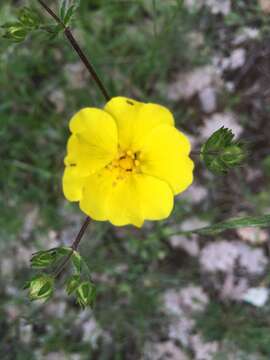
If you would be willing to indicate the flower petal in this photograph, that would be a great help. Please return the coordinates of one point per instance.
(95, 139)
(92, 145)
(73, 183)
(156, 197)
(165, 155)
(135, 120)
(129, 201)
(124, 204)
(97, 190)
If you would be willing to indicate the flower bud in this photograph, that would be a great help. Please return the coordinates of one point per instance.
(221, 152)
(43, 259)
(234, 155)
(41, 287)
(86, 294)
(29, 18)
(72, 284)
(16, 32)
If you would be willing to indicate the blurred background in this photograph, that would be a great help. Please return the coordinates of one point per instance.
(159, 297)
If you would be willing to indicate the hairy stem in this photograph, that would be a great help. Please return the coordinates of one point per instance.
(78, 50)
(107, 97)
(73, 247)
(200, 152)
(78, 238)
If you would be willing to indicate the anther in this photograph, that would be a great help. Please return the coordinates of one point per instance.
(129, 153)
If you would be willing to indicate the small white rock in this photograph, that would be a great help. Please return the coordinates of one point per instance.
(171, 303)
(193, 223)
(252, 235)
(181, 329)
(245, 34)
(26, 332)
(57, 98)
(91, 332)
(167, 350)
(76, 75)
(190, 246)
(265, 6)
(193, 299)
(216, 121)
(187, 85)
(203, 350)
(208, 99)
(256, 296)
(237, 58)
(195, 194)
(219, 6)
(194, 4)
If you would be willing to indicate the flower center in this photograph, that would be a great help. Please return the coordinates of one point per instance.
(126, 163)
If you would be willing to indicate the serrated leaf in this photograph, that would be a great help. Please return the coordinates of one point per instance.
(15, 32)
(67, 10)
(44, 259)
(69, 15)
(221, 152)
(29, 18)
(63, 250)
(64, 6)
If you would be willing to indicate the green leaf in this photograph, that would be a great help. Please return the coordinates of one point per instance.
(44, 290)
(40, 287)
(221, 152)
(69, 15)
(72, 284)
(64, 5)
(63, 250)
(53, 30)
(77, 261)
(44, 259)
(15, 32)
(234, 223)
(29, 18)
(86, 294)
(27, 285)
(67, 10)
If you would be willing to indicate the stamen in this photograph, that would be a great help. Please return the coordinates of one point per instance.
(130, 154)
(126, 163)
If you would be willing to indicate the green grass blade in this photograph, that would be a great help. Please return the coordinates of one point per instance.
(234, 223)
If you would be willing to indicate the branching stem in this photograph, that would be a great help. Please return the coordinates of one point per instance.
(73, 247)
(78, 50)
(107, 97)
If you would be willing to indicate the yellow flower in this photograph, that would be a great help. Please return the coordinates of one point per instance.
(125, 163)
